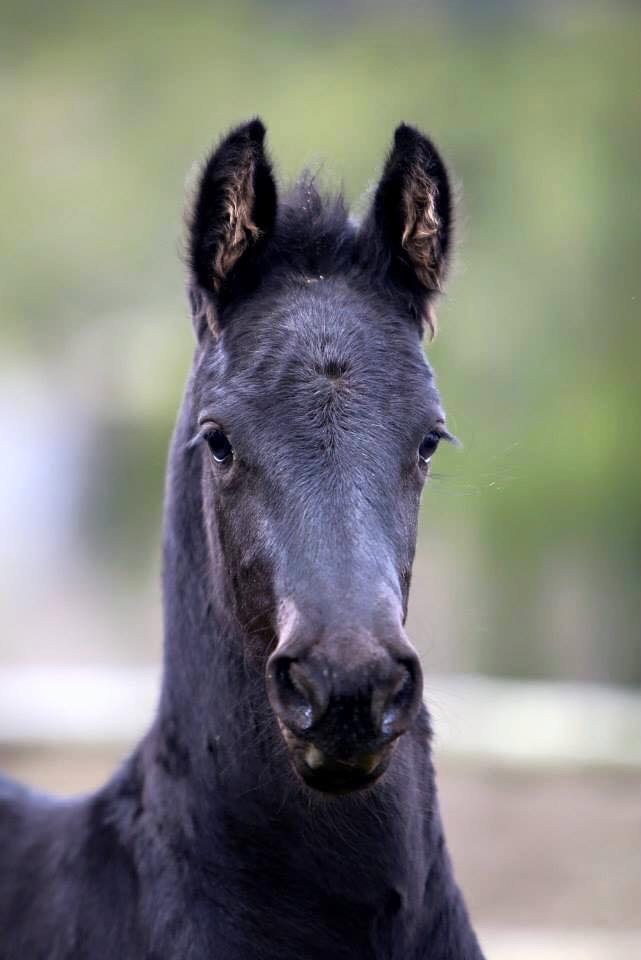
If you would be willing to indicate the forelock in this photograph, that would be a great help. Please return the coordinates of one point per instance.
(314, 236)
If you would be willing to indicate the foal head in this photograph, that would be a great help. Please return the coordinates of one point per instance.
(318, 417)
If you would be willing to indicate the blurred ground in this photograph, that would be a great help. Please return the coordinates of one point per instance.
(535, 851)
(544, 849)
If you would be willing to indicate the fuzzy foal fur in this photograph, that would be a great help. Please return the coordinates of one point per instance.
(207, 843)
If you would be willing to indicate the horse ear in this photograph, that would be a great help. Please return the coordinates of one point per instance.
(232, 215)
(406, 236)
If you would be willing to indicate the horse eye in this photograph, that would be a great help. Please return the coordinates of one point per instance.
(428, 446)
(219, 446)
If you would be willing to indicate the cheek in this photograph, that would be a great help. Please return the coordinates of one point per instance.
(247, 557)
(407, 520)
(408, 501)
(407, 526)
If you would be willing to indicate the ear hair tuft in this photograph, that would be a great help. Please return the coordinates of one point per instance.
(430, 322)
(238, 230)
(420, 237)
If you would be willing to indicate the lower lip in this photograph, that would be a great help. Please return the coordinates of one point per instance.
(316, 760)
(335, 777)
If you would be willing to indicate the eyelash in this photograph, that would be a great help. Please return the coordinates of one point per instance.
(429, 444)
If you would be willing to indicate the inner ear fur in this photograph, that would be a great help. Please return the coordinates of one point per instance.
(232, 213)
(237, 230)
(407, 232)
(422, 226)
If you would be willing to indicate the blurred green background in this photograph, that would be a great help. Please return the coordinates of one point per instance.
(529, 555)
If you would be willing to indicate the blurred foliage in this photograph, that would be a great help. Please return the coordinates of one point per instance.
(106, 106)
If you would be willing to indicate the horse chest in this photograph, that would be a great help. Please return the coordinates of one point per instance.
(328, 927)
(243, 916)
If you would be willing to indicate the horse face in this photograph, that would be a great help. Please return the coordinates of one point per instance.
(318, 418)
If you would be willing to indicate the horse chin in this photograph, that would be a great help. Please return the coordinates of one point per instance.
(336, 776)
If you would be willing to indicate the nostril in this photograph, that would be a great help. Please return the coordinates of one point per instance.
(298, 698)
(302, 683)
(293, 699)
(402, 698)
